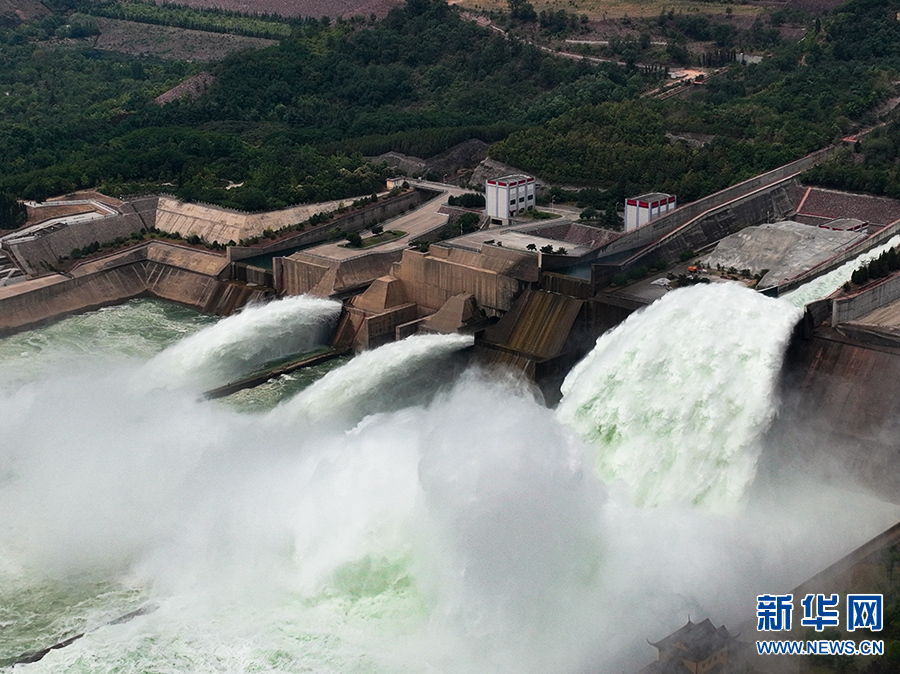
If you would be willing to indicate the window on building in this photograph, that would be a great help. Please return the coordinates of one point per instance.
(521, 199)
(530, 197)
(512, 202)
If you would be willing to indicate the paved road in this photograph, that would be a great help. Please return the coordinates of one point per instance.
(415, 223)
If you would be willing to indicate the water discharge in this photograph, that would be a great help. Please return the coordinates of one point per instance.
(826, 284)
(396, 375)
(237, 346)
(676, 406)
(458, 526)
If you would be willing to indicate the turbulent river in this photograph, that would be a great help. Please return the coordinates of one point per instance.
(398, 511)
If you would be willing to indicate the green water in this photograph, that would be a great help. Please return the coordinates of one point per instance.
(38, 610)
(266, 396)
(134, 331)
(378, 527)
(137, 329)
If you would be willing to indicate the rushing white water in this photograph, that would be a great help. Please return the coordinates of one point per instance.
(821, 287)
(675, 404)
(135, 329)
(386, 378)
(245, 341)
(460, 531)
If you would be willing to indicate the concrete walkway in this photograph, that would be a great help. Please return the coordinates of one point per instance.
(415, 223)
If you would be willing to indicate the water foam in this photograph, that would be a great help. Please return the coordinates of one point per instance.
(824, 285)
(676, 397)
(464, 532)
(391, 376)
(241, 343)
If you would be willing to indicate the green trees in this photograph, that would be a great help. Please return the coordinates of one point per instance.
(290, 124)
(876, 173)
(521, 10)
(12, 213)
(467, 200)
(758, 117)
(885, 264)
(468, 222)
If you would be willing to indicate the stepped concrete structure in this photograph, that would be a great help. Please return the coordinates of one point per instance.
(220, 225)
(153, 269)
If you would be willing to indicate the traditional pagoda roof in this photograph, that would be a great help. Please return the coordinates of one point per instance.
(696, 641)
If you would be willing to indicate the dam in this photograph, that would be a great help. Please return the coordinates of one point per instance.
(405, 511)
(425, 504)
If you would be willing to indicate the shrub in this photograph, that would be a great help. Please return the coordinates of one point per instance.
(467, 200)
(468, 222)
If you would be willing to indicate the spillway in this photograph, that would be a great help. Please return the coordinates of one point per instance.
(826, 284)
(258, 335)
(676, 407)
(402, 514)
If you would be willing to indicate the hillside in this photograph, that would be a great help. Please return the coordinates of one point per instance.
(292, 122)
(300, 8)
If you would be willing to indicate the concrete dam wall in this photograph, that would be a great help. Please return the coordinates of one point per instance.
(768, 203)
(841, 411)
(153, 269)
(40, 253)
(665, 225)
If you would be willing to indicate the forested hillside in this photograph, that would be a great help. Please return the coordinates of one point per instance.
(805, 96)
(291, 123)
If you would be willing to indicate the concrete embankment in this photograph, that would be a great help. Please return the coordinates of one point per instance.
(663, 226)
(155, 269)
(765, 204)
(355, 221)
(214, 223)
(840, 414)
(41, 252)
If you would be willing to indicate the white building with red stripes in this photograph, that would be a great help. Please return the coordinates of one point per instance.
(507, 196)
(641, 210)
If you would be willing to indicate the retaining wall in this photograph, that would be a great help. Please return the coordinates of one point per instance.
(40, 253)
(214, 223)
(665, 224)
(765, 204)
(850, 308)
(840, 412)
(351, 222)
(149, 269)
